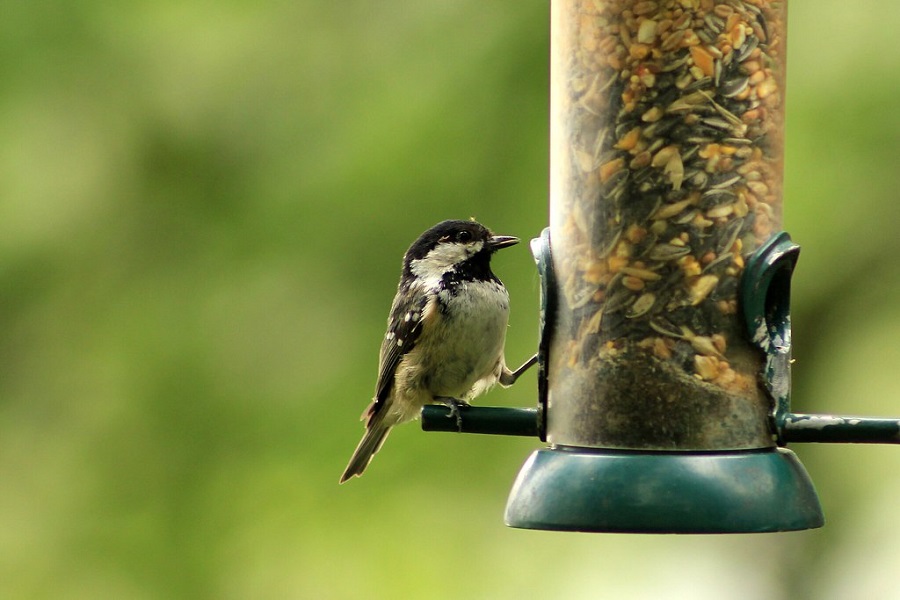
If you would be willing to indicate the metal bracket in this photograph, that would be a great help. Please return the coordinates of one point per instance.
(540, 248)
(765, 295)
(766, 302)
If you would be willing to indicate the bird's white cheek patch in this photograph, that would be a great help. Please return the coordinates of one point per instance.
(443, 259)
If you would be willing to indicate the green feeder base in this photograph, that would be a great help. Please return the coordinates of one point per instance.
(585, 489)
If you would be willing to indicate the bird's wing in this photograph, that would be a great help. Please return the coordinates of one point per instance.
(408, 313)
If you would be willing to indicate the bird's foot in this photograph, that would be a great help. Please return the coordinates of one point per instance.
(455, 405)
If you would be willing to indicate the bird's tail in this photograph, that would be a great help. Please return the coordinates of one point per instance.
(376, 432)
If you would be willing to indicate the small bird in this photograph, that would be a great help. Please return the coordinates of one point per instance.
(445, 333)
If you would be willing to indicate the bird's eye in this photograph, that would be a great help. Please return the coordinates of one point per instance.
(464, 236)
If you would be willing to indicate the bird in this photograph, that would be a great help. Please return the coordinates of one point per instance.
(445, 332)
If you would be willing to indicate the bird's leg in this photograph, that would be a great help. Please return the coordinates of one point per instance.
(507, 377)
(455, 404)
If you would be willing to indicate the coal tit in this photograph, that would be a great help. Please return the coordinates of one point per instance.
(445, 334)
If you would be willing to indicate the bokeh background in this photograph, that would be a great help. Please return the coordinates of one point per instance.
(203, 206)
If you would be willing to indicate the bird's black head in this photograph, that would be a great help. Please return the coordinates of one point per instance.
(460, 247)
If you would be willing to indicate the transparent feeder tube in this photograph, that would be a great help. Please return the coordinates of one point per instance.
(667, 140)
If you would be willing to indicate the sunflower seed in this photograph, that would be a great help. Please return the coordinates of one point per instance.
(666, 252)
(641, 306)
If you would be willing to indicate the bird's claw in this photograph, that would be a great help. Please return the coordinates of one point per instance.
(455, 405)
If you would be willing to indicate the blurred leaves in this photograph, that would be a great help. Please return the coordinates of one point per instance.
(204, 208)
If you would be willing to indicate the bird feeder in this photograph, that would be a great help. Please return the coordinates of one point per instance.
(664, 361)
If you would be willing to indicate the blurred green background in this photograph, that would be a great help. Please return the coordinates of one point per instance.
(203, 210)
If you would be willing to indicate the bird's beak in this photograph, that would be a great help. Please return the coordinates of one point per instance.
(502, 241)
